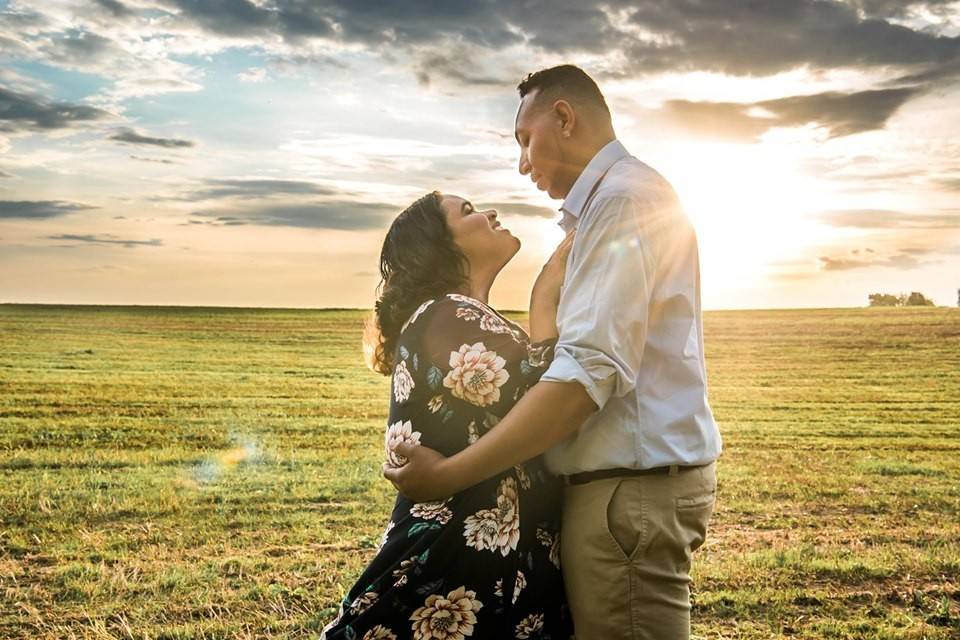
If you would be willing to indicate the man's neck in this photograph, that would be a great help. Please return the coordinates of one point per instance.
(587, 152)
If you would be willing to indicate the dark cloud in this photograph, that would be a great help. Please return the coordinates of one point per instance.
(449, 41)
(342, 215)
(39, 209)
(114, 8)
(255, 188)
(77, 47)
(841, 113)
(367, 22)
(900, 8)
(227, 17)
(520, 209)
(887, 219)
(130, 136)
(751, 37)
(155, 160)
(24, 112)
(4, 174)
(24, 19)
(741, 37)
(457, 66)
(106, 239)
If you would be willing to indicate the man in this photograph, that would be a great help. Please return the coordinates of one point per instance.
(621, 411)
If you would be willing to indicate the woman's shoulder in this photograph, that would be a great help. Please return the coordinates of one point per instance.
(443, 308)
(458, 316)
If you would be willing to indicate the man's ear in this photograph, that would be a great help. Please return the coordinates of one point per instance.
(566, 117)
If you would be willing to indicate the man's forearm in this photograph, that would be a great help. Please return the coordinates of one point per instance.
(546, 415)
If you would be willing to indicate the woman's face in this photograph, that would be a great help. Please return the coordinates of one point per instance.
(479, 235)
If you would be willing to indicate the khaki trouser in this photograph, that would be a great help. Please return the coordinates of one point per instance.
(625, 552)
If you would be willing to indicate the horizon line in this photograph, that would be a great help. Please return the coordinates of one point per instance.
(269, 308)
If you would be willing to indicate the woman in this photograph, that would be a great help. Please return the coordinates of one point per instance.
(485, 562)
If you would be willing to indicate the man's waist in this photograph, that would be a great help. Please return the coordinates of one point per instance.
(584, 477)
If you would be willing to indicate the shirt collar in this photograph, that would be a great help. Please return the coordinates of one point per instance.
(583, 187)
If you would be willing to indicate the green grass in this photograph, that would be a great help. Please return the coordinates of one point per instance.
(215, 473)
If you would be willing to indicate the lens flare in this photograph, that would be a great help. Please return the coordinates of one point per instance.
(223, 462)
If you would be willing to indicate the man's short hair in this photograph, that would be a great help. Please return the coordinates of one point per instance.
(565, 82)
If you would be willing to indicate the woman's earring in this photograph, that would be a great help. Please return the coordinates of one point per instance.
(566, 134)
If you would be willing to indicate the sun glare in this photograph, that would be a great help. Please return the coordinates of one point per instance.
(751, 207)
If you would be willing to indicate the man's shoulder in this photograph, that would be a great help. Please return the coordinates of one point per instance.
(635, 180)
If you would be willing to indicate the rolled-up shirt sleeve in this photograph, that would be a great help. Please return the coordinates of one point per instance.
(603, 314)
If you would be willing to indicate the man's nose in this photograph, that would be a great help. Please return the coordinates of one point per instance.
(524, 167)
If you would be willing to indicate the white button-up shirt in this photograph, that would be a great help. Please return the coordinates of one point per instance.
(630, 323)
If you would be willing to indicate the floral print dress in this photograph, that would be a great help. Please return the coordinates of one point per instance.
(484, 563)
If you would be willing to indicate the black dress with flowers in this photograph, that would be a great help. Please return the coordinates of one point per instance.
(484, 563)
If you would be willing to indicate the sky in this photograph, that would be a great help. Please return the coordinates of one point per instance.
(254, 152)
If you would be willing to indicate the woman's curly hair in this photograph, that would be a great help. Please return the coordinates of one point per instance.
(419, 260)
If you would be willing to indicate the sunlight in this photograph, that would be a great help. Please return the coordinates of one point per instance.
(750, 206)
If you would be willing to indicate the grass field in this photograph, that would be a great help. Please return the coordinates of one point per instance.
(215, 473)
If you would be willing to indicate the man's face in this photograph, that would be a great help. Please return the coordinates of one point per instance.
(542, 156)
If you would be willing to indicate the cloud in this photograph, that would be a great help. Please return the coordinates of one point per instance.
(253, 75)
(949, 184)
(454, 41)
(742, 37)
(78, 48)
(901, 261)
(24, 112)
(520, 209)
(371, 24)
(888, 219)
(156, 160)
(900, 8)
(4, 174)
(130, 136)
(115, 9)
(341, 215)
(254, 188)
(841, 113)
(107, 239)
(739, 37)
(132, 49)
(38, 209)
(456, 64)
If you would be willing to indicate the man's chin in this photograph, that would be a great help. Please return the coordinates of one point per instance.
(554, 194)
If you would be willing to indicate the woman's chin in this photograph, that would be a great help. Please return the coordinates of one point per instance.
(508, 254)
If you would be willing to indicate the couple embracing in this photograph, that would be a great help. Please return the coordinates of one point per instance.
(551, 483)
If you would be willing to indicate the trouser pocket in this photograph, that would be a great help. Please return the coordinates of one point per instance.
(625, 517)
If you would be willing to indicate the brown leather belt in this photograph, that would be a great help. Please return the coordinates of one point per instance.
(603, 474)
